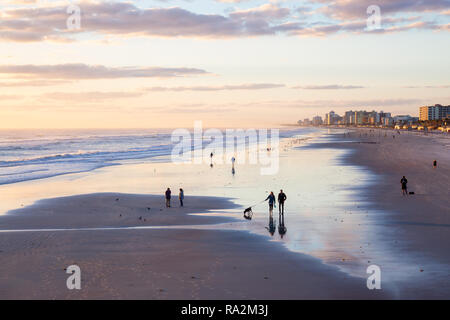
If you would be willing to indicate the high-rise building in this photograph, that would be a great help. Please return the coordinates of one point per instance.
(436, 112)
(349, 117)
(332, 118)
(317, 121)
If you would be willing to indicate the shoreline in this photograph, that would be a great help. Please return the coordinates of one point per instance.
(160, 263)
(116, 210)
(389, 238)
(414, 227)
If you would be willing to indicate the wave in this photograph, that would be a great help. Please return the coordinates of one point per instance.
(36, 157)
(93, 156)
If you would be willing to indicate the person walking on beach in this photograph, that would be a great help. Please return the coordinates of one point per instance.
(404, 183)
(271, 199)
(168, 193)
(181, 197)
(281, 199)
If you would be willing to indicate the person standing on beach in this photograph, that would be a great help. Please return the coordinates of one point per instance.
(181, 197)
(271, 199)
(168, 194)
(281, 199)
(434, 164)
(404, 183)
(233, 160)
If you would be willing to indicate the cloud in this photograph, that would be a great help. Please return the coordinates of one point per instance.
(92, 96)
(251, 86)
(263, 12)
(124, 19)
(84, 71)
(328, 87)
(8, 97)
(33, 83)
(358, 104)
(445, 86)
(356, 9)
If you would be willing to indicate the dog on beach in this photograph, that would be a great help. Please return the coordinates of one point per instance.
(248, 213)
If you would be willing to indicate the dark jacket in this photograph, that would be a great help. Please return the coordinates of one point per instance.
(271, 199)
(282, 197)
(168, 193)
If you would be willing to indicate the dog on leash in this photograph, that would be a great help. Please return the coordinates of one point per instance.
(248, 213)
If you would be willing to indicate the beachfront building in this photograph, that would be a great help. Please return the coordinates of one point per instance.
(362, 117)
(387, 121)
(436, 112)
(373, 117)
(332, 118)
(349, 118)
(404, 119)
(317, 121)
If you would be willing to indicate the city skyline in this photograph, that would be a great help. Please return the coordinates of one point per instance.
(229, 63)
(382, 118)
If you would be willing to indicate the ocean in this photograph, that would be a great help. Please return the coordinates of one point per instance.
(37, 154)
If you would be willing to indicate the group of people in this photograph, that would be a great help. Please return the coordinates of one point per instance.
(281, 199)
(168, 196)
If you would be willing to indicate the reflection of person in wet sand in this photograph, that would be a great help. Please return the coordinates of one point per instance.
(281, 227)
(271, 226)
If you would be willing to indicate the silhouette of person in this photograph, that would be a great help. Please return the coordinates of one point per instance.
(271, 199)
(168, 196)
(281, 199)
(281, 227)
(404, 183)
(271, 228)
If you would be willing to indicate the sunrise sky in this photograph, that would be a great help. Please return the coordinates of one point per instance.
(229, 63)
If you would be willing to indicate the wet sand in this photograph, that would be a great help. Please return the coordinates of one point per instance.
(415, 228)
(355, 219)
(154, 263)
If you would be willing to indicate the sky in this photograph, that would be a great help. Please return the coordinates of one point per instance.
(228, 63)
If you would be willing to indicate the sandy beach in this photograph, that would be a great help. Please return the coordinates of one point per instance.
(120, 263)
(129, 246)
(416, 226)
